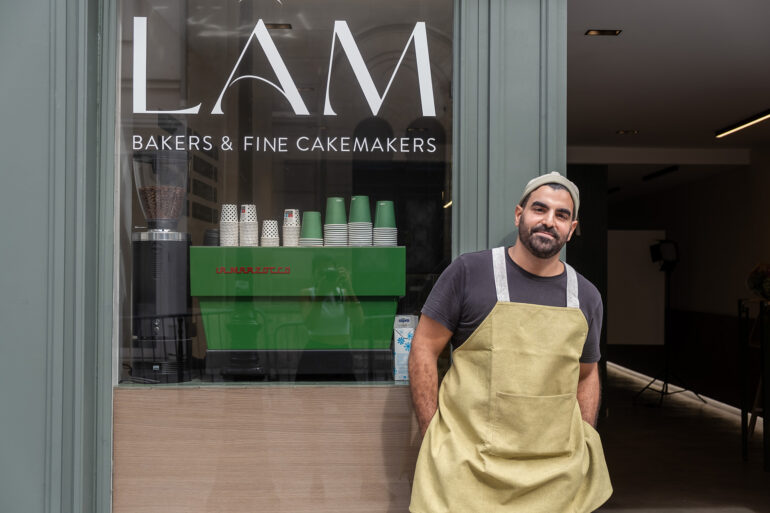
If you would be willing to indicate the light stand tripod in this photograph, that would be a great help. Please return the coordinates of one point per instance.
(666, 252)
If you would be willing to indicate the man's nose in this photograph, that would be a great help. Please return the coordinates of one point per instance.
(548, 218)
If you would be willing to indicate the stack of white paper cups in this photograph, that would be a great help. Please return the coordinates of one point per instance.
(228, 225)
(291, 227)
(360, 222)
(270, 233)
(248, 226)
(385, 232)
(336, 226)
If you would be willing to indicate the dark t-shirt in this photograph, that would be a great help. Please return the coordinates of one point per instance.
(465, 294)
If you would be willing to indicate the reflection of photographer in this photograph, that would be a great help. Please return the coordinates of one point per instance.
(332, 313)
(333, 308)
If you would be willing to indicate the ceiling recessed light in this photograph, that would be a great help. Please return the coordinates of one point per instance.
(603, 32)
(753, 120)
(631, 131)
(278, 26)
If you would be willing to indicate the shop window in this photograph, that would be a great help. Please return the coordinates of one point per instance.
(252, 131)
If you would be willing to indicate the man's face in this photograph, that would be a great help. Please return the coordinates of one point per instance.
(545, 222)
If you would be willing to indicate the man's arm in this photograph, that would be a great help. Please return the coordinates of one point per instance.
(429, 340)
(589, 392)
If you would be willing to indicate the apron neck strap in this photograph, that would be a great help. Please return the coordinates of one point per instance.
(501, 279)
(572, 287)
(501, 274)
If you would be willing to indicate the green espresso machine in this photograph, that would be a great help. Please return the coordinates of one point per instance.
(304, 313)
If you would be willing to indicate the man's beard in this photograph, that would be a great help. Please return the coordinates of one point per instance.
(538, 245)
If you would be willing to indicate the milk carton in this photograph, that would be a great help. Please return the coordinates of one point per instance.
(403, 333)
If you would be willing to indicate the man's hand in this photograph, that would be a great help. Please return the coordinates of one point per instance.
(589, 392)
(428, 342)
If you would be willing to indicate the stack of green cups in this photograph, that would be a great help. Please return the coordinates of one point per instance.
(336, 227)
(311, 233)
(385, 232)
(360, 224)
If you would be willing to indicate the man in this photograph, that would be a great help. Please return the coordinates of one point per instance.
(511, 429)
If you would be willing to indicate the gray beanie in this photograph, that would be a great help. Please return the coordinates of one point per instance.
(553, 177)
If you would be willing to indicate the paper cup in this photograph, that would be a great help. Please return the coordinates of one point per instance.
(270, 229)
(311, 225)
(360, 212)
(335, 211)
(385, 215)
(229, 213)
(248, 214)
(270, 242)
(291, 217)
(335, 235)
(249, 233)
(228, 233)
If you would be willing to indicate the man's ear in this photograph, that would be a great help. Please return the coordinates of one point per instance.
(572, 230)
(517, 214)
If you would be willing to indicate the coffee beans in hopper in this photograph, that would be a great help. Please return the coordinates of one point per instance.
(162, 201)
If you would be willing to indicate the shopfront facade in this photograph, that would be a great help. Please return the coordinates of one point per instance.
(265, 397)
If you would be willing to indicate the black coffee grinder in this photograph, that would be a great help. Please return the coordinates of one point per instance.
(161, 342)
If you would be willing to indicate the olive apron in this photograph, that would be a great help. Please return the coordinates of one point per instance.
(508, 435)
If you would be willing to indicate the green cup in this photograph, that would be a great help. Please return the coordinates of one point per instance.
(385, 215)
(360, 212)
(335, 211)
(311, 225)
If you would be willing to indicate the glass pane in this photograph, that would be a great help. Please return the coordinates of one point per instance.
(285, 182)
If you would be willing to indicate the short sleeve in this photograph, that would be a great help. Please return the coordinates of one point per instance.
(444, 302)
(591, 352)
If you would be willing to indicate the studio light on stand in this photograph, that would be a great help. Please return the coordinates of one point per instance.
(667, 253)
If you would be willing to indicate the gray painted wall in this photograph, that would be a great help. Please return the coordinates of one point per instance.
(57, 210)
(56, 273)
(510, 112)
(24, 279)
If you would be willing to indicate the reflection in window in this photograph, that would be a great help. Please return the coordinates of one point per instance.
(198, 303)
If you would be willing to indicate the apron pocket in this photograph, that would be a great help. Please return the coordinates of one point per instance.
(530, 426)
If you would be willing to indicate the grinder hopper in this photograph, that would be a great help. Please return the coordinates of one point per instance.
(161, 183)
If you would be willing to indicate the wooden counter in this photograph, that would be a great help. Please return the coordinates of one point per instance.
(270, 448)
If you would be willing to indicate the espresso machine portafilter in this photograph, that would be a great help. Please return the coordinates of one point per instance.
(161, 342)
